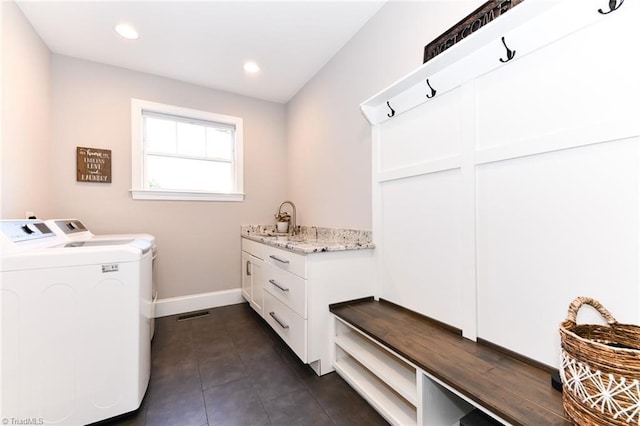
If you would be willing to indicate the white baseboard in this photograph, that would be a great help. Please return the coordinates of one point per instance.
(195, 302)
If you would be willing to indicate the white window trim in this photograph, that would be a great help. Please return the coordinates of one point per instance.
(138, 192)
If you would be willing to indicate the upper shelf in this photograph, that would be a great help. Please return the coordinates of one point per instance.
(525, 28)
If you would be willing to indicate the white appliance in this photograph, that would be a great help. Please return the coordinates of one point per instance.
(75, 325)
(75, 230)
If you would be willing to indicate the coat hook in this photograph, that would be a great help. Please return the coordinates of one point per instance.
(433, 91)
(510, 53)
(392, 113)
(613, 5)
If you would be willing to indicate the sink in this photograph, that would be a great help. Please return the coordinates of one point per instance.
(274, 234)
(281, 237)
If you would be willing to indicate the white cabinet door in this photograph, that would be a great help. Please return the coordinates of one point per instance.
(252, 281)
(257, 285)
(246, 276)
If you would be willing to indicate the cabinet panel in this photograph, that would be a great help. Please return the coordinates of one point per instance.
(291, 327)
(286, 260)
(253, 248)
(288, 288)
(551, 227)
(246, 276)
(257, 284)
(252, 281)
(420, 245)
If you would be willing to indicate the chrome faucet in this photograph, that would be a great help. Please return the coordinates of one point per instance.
(293, 216)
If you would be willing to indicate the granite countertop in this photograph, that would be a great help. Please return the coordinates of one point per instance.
(310, 239)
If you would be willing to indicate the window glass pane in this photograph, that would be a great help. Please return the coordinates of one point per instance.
(192, 139)
(188, 174)
(219, 143)
(160, 135)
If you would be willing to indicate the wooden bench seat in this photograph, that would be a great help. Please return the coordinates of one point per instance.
(516, 391)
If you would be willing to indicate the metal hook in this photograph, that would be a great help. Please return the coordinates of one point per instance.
(510, 53)
(393, 112)
(613, 5)
(433, 91)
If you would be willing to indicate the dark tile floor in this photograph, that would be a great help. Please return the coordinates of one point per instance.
(230, 368)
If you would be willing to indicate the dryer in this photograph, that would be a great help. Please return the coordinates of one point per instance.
(75, 230)
(75, 325)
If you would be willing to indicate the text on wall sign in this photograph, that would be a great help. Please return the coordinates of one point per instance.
(93, 165)
(480, 17)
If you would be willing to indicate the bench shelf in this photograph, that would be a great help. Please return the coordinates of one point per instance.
(398, 374)
(395, 409)
(415, 371)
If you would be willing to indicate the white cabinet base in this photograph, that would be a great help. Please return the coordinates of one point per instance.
(297, 290)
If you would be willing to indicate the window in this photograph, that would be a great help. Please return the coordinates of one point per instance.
(184, 154)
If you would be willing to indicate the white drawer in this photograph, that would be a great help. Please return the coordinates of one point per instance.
(254, 248)
(288, 288)
(291, 327)
(286, 260)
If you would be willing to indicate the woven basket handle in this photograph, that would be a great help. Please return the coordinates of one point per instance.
(579, 301)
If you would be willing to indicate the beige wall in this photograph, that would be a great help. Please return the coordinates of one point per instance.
(26, 127)
(199, 242)
(324, 166)
(329, 141)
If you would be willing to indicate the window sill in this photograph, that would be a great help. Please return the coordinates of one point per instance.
(150, 194)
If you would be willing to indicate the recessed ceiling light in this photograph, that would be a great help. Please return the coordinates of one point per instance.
(251, 67)
(127, 31)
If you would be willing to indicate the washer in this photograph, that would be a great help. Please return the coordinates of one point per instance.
(75, 230)
(75, 325)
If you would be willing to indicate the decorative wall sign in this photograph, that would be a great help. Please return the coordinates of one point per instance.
(93, 165)
(473, 22)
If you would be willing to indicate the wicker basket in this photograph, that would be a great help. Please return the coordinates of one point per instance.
(600, 369)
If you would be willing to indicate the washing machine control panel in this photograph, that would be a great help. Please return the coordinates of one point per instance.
(70, 226)
(25, 230)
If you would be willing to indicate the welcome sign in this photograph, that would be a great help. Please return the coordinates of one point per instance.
(480, 17)
(93, 165)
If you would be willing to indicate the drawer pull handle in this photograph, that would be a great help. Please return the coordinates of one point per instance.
(248, 268)
(278, 259)
(274, 282)
(280, 323)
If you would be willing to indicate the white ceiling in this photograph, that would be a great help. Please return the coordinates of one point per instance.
(207, 42)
